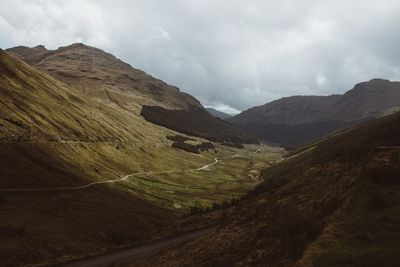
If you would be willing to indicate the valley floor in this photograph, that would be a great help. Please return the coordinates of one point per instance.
(56, 210)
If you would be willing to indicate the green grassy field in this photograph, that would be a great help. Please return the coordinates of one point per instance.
(183, 187)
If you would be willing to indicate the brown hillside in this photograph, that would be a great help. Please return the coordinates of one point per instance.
(106, 79)
(101, 75)
(336, 204)
(297, 120)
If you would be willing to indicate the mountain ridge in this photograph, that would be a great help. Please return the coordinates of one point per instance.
(306, 118)
(103, 77)
(95, 72)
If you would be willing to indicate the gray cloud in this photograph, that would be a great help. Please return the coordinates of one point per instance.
(230, 54)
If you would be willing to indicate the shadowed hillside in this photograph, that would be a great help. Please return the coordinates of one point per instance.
(333, 204)
(297, 120)
(197, 122)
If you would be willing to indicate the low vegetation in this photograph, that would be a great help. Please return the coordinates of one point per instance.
(180, 143)
(179, 138)
(335, 204)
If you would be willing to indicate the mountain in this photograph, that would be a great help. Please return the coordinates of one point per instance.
(52, 137)
(335, 203)
(218, 114)
(99, 75)
(296, 120)
(36, 107)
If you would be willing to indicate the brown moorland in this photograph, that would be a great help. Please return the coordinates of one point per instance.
(332, 204)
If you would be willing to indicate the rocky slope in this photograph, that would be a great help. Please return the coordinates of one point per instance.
(101, 76)
(296, 120)
(333, 204)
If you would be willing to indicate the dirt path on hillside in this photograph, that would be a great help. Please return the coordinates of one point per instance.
(130, 255)
(203, 168)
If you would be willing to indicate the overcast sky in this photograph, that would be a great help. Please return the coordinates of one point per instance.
(230, 54)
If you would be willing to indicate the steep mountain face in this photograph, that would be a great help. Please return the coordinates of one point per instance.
(296, 120)
(99, 75)
(218, 114)
(38, 107)
(332, 204)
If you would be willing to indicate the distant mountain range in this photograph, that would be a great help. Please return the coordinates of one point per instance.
(296, 120)
(218, 114)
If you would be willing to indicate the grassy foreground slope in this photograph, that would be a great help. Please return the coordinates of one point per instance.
(51, 137)
(335, 204)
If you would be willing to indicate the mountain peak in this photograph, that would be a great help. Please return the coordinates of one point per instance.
(40, 47)
(379, 80)
(375, 86)
(78, 45)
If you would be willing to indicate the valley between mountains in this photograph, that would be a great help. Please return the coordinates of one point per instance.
(83, 172)
(102, 164)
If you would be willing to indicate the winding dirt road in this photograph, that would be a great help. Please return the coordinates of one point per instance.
(205, 167)
(130, 255)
